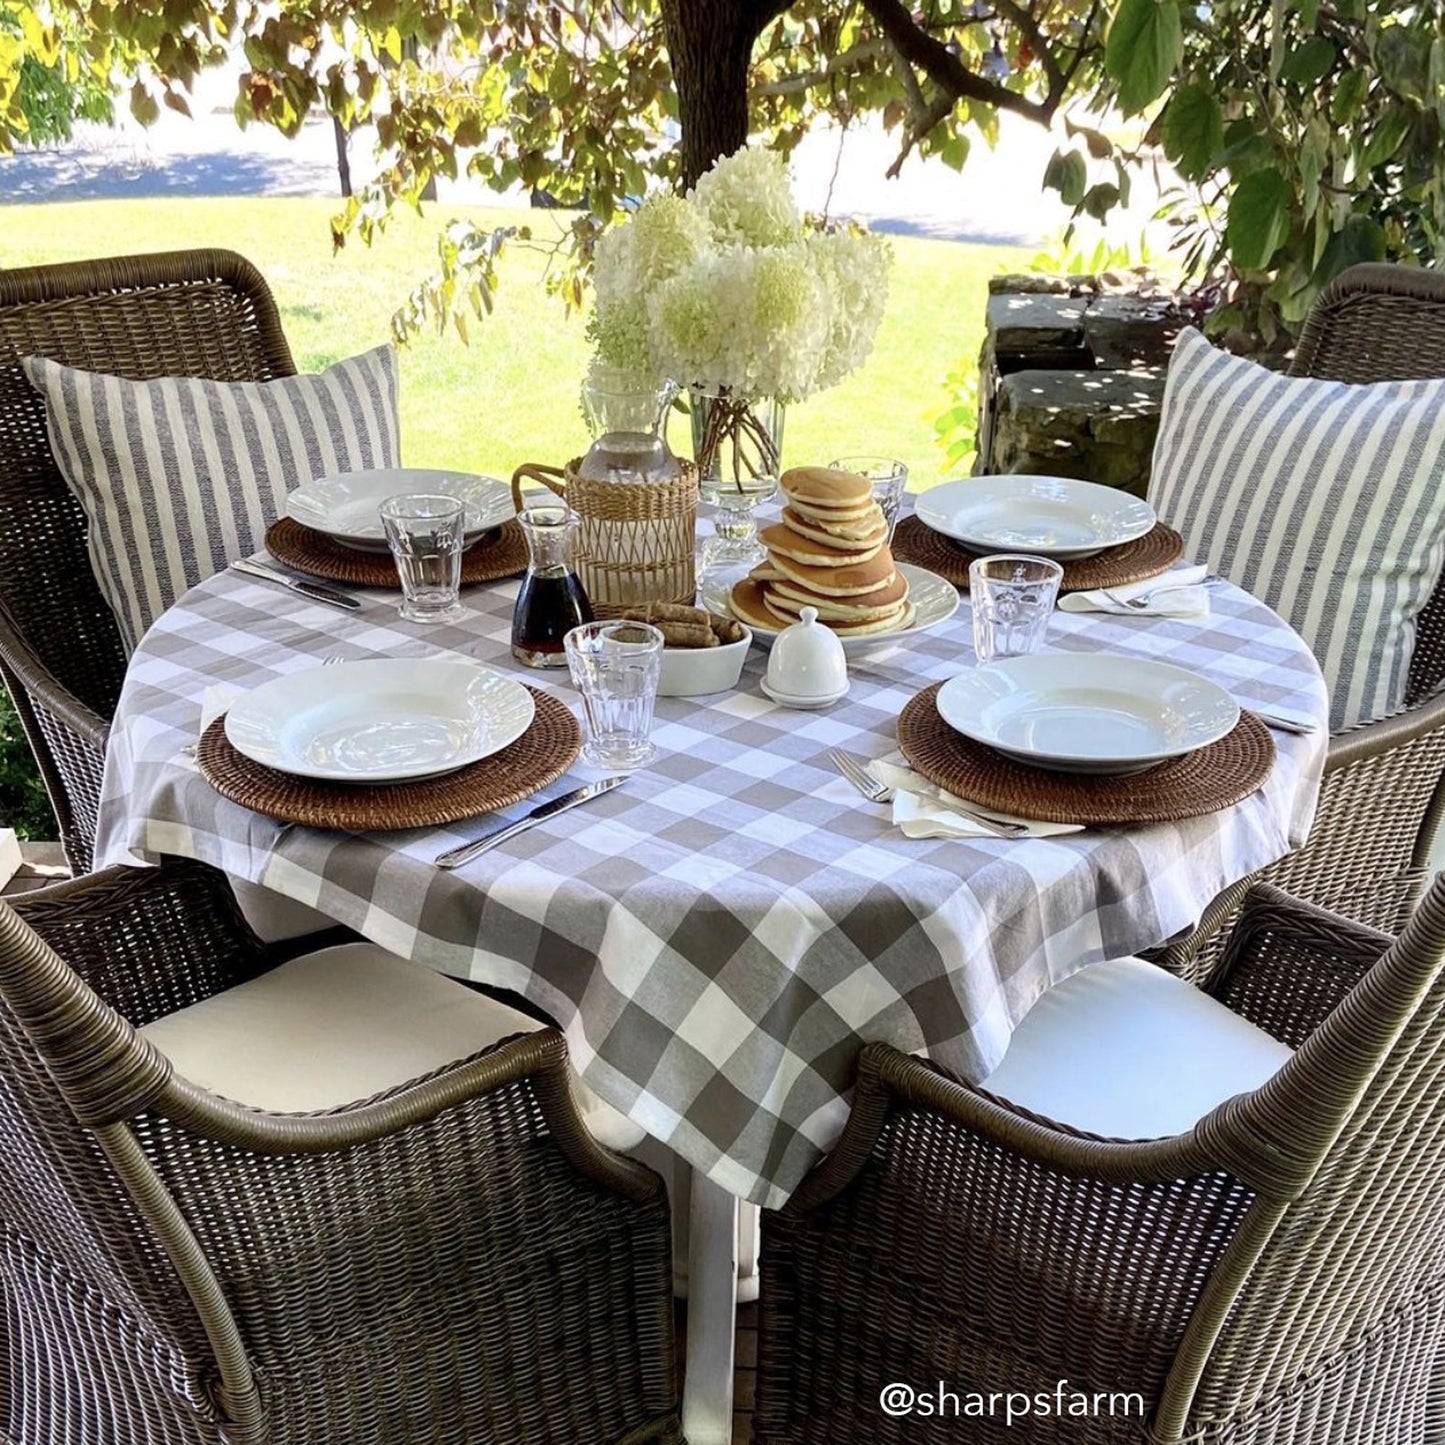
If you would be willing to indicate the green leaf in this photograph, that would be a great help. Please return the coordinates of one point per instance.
(1309, 63)
(1193, 131)
(1068, 174)
(1387, 137)
(1361, 240)
(1144, 45)
(1402, 61)
(1259, 219)
(1101, 199)
(1309, 12)
(1351, 89)
(954, 152)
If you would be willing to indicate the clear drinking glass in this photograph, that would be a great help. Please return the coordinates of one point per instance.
(615, 666)
(889, 478)
(1012, 598)
(426, 534)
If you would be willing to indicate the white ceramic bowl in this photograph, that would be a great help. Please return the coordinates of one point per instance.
(694, 671)
(1057, 517)
(1092, 712)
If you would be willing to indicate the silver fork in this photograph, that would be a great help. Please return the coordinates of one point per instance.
(1145, 599)
(877, 792)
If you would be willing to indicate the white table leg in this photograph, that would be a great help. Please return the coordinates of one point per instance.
(707, 1395)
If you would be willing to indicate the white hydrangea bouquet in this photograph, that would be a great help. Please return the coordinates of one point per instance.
(729, 293)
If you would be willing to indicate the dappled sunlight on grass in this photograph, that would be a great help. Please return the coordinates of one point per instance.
(511, 396)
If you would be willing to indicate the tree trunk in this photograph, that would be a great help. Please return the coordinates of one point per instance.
(710, 43)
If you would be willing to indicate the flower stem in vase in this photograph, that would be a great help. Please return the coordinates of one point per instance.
(737, 443)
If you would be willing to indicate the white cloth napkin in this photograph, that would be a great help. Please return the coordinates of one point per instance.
(1181, 593)
(922, 810)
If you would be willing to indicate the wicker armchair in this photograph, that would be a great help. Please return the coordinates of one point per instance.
(1274, 1274)
(194, 313)
(453, 1261)
(1381, 800)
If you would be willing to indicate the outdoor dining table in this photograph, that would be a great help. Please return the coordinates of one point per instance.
(718, 937)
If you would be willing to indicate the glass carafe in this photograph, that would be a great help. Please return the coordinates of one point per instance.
(626, 421)
(552, 601)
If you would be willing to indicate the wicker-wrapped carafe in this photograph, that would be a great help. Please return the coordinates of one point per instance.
(635, 502)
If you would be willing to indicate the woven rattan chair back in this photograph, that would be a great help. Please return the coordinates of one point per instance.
(1274, 1277)
(194, 313)
(1384, 323)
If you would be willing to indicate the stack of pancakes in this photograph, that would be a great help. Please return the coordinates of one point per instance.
(829, 552)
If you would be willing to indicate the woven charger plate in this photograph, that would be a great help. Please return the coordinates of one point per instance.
(542, 754)
(1213, 777)
(502, 553)
(1147, 556)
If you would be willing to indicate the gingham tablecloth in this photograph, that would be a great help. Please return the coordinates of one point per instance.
(718, 937)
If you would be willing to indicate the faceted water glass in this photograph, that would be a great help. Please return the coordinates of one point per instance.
(616, 667)
(427, 536)
(1012, 598)
(889, 479)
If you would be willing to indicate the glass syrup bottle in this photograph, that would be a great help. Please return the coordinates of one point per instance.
(552, 600)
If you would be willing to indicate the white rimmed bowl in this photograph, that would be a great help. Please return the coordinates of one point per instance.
(380, 720)
(1078, 712)
(1058, 517)
(347, 505)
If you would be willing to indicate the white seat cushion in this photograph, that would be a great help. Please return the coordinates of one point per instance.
(338, 1026)
(1128, 1051)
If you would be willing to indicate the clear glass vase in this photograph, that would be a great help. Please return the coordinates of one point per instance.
(737, 442)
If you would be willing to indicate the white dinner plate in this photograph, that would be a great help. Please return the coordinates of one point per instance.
(934, 599)
(382, 720)
(347, 506)
(1055, 517)
(1087, 712)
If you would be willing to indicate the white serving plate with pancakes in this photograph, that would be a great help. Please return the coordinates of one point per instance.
(1058, 517)
(1098, 713)
(934, 599)
(347, 505)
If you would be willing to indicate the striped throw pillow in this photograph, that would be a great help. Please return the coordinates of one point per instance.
(1324, 499)
(179, 477)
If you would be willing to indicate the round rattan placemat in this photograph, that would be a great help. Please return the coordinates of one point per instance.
(541, 755)
(1155, 552)
(1214, 777)
(499, 554)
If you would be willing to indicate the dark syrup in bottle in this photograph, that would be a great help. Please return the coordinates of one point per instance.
(549, 606)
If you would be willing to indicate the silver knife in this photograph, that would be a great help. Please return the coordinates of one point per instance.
(455, 857)
(316, 591)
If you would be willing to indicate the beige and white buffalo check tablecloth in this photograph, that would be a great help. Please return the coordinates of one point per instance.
(718, 937)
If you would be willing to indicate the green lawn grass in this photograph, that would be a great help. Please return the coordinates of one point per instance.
(511, 395)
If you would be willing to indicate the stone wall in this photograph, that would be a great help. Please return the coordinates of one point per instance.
(1072, 375)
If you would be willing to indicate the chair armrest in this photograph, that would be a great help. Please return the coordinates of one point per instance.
(1371, 739)
(1288, 963)
(149, 941)
(46, 692)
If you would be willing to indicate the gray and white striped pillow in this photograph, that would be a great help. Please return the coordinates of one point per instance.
(179, 477)
(1324, 499)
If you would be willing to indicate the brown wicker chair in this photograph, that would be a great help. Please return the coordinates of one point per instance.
(1381, 800)
(453, 1261)
(1276, 1274)
(194, 313)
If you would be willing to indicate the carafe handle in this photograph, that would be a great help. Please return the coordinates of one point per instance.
(553, 478)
